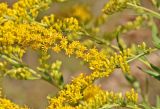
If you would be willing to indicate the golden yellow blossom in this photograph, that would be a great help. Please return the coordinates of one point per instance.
(132, 96)
(3, 8)
(73, 92)
(113, 6)
(7, 104)
(81, 12)
(19, 31)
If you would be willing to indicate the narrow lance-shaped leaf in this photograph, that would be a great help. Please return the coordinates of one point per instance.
(118, 42)
(157, 69)
(156, 39)
(151, 73)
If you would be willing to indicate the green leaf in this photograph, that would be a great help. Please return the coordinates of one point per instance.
(151, 73)
(118, 42)
(156, 39)
(32, 78)
(157, 69)
(145, 106)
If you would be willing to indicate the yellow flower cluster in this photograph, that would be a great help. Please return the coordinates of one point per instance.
(117, 5)
(12, 51)
(19, 73)
(91, 97)
(27, 35)
(23, 10)
(97, 60)
(19, 31)
(48, 20)
(132, 96)
(67, 26)
(71, 94)
(105, 99)
(7, 104)
(3, 8)
(144, 48)
(90, 91)
(81, 12)
(102, 67)
(30, 8)
(37, 36)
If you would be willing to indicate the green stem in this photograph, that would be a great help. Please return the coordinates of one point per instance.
(38, 76)
(101, 41)
(136, 57)
(111, 106)
(141, 54)
(15, 63)
(153, 13)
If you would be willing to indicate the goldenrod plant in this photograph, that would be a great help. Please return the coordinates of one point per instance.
(77, 34)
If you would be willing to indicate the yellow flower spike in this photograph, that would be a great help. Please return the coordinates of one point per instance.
(10, 51)
(90, 91)
(71, 48)
(68, 26)
(122, 60)
(56, 48)
(7, 104)
(143, 46)
(113, 6)
(63, 43)
(53, 33)
(72, 92)
(28, 10)
(80, 50)
(49, 20)
(102, 99)
(69, 51)
(19, 73)
(86, 57)
(34, 12)
(132, 96)
(46, 20)
(81, 12)
(3, 8)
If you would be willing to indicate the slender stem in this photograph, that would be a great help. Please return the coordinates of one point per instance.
(110, 106)
(155, 14)
(141, 54)
(15, 63)
(101, 41)
(137, 56)
(38, 76)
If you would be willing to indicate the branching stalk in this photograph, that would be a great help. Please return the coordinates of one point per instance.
(153, 13)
